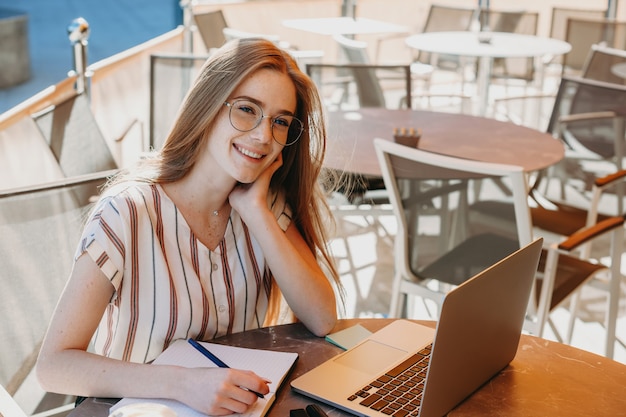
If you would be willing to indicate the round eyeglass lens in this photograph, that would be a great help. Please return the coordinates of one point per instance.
(245, 115)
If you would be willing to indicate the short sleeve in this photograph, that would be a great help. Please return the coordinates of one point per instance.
(103, 240)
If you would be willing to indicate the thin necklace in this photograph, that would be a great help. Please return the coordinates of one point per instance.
(217, 212)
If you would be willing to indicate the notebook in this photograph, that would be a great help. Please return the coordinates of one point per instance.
(477, 335)
(273, 365)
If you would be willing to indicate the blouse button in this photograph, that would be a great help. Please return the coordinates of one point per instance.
(221, 308)
(214, 266)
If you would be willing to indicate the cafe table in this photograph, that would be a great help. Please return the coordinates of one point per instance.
(544, 378)
(351, 135)
(486, 46)
(344, 25)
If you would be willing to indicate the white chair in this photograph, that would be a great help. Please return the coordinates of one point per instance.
(556, 220)
(40, 227)
(8, 406)
(476, 232)
(210, 26)
(437, 246)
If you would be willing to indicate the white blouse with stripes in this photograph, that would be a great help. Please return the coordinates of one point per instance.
(168, 284)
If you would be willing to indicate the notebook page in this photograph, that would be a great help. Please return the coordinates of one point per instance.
(270, 365)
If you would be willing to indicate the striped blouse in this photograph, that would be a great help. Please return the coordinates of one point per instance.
(168, 285)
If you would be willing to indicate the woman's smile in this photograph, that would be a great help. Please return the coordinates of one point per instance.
(248, 153)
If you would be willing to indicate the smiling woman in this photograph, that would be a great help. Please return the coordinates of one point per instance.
(203, 239)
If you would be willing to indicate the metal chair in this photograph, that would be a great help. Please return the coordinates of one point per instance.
(583, 33)
(368, 82)
(40, 226)
(556, 220)
(511, 21)
(359, 84)
(442, 18)
(210, 26)
(588, 116)
(171, 76)
(605, 64)
(476, 233)
(558, 23)
(75, 139)
(437, 245)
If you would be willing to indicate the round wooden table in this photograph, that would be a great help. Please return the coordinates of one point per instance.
(351, 134)
(544, 378)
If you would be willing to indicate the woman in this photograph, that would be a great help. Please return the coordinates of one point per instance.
(202, 240)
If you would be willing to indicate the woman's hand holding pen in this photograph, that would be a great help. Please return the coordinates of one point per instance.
(219, 391)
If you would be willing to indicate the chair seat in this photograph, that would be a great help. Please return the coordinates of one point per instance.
(469, 258)
(571, 273)
(569, 220)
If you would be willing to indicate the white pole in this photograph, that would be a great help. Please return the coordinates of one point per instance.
(78, 33)
(611, 9)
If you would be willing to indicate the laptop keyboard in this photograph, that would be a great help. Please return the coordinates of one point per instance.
(398, 392)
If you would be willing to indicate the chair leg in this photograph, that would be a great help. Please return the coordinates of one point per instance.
(398, 301)
(556, 332)
(617, 244)
(411, 301)
(573, 309)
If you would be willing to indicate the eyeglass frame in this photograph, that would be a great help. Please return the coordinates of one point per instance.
(260, 119)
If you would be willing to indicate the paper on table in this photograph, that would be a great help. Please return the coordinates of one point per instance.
(268, 364)
(349, 337)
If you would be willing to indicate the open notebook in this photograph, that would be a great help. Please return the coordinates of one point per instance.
(268, 364)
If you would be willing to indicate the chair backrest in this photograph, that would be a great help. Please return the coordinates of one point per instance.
(605, 64)
(438, 237)
(602, 136)
(171, 76)
(511, 21)
(560, 15)
(211, 25)
(39, 230)
(74, 137)
(442, 18)
(368, 86)
(583, 33)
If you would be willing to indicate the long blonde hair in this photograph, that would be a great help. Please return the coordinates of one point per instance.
(299, 176)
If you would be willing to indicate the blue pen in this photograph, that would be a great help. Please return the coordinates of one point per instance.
(216, 360)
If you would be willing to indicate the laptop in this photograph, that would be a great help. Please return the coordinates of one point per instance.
(477, 335)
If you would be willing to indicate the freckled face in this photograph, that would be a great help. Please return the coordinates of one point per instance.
(245, 155)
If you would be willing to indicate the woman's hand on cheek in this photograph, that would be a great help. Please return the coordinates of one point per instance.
(245, 197)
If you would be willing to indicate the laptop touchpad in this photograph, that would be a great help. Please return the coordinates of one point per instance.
(371, 357)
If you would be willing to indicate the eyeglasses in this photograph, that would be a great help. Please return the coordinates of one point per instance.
(245, 115)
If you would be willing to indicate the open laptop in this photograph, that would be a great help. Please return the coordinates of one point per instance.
(477, 335)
